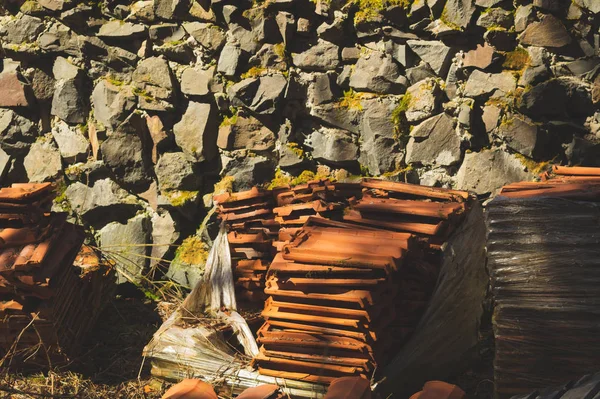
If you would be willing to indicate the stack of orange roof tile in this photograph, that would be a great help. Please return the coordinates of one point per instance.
(544, 259)
(46, 304)
(341, 297)
(345, 296)
(261, 221)
(429, 212)
(252, 228)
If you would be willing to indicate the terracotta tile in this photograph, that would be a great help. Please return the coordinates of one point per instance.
(349, 388)
(416, 190)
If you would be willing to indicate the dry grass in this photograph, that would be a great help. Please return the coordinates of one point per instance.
(111, 364)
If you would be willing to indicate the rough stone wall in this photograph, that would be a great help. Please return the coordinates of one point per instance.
(138, 108)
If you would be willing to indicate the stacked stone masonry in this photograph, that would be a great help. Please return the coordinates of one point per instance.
(137, 109)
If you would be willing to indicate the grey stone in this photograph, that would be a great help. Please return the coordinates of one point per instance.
(379, 148)
(401, 53)
(261, 95)
(491, 117)
(56, 5)
(165, 233)
(439, 29)
(435, 53)
(42, 84)
(181, 53)
(501, 39)
(166, 32)
(154, 84)
(158, 134)
(270, 56)
(105, 201)
(549, 5)
(12, 90)
(248, 171)
(171, 9)
(210, 36)
(350, 54)
(480, 57)
(291, 156)
(70, 98)
(521, 134)
(72, 144)
(249, 40)
(333, 146)
(419, 72)
(343, 79)
(377, 72)
(549, 32)
(323, 56)
(425, 100)
(434, 142)
(591, 5)
(557, 98)
(246, 133)
(488, 3)
(334, 31)
(202, 11)
(64, 70)
(16, 132)
(175, 172)
(112, 103)
(117, 29)
(21, 30)
(459, 12)
(196, 132)
(88, 172)
(5, 163)
(335, 115)
(319, 90)
(489, 170)
(127, 245)
(496, 17)
(481, 83)
(286, 24)
(124, 152)
(229, 59)
(43, 162)
(524, 15)
(196, 81)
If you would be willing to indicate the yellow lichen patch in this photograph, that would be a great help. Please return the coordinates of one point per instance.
(254, 72)
(295, 148)
(369, 10)
(280, 179)
(351, 100)
(180, 198)
(279, 49)
(229, 120)
(192, 251)
(516, 60)
(532, 166)
(225, 185)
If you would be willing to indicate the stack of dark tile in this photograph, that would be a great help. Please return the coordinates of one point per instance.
(344, 296)
(47, 304)
(544, 258)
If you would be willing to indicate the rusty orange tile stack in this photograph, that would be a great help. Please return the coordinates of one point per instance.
(544, 260)
(260, 221)
(252, 229)
(46, 304)
(345, 294)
